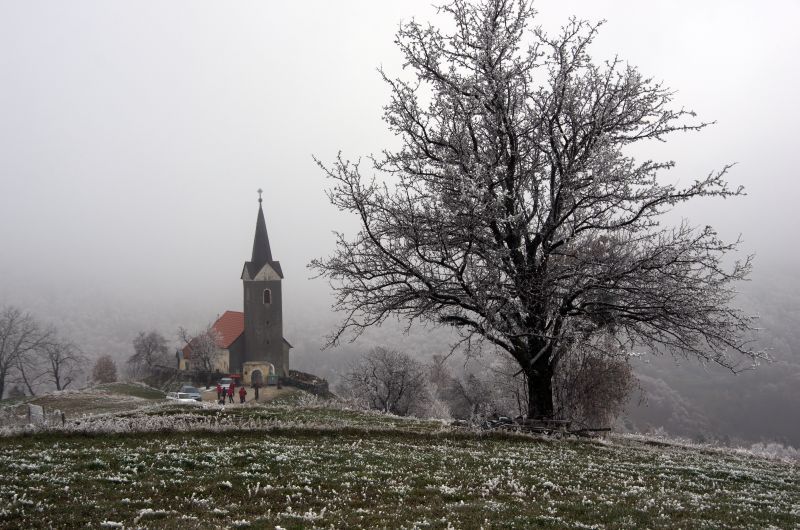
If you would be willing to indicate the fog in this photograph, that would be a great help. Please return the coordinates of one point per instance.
(134, 136)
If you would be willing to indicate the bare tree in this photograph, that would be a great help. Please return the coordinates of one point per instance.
(20, 337)
(514, 212)
(150, 349)
(63, 363)
(105, 370)
(29, 368)
(204, 347)
(388, 380)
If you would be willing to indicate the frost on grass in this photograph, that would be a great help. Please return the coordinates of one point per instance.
(320, 467)
(208, 417)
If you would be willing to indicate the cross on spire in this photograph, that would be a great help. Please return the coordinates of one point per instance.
(261, 251)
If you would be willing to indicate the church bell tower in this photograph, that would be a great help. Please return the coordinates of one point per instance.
(263, 313)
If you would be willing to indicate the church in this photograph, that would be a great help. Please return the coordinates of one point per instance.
(251, 342)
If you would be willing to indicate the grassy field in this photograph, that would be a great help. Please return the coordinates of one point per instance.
(295, 465)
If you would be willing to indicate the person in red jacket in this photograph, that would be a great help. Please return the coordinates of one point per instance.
(219, 391)
(230, 394)
(242, 394)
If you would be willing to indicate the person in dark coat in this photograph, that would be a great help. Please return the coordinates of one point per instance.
(242, 394)
(230, 394)
(256, 385)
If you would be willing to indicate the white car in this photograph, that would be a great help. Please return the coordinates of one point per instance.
(180, 397)
(191, 391)
(225, 382)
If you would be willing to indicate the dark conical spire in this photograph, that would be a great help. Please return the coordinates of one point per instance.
(261, 251)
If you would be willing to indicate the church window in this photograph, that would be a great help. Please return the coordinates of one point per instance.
(267, 297)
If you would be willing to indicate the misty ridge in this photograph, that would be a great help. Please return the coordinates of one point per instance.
(108, 233)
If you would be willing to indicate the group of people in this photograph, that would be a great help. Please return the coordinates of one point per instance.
(222, 393)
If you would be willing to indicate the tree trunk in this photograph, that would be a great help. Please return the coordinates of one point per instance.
(25, 380)
(540, 389)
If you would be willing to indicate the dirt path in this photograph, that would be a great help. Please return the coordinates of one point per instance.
(264, 394)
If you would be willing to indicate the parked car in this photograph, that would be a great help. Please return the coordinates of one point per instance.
(225, 382)
(180, 397)
(192, 391)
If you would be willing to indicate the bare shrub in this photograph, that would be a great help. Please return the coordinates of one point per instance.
(775, 450)
(387, 380)
(436, 408)
(592, 385)
(105, 370)
(471, 395)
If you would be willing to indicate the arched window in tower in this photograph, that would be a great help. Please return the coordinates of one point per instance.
(267, 297)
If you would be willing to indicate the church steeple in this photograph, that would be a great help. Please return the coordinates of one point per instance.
(265, 350)
(261, 251)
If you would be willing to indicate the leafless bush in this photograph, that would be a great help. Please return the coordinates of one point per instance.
(436, 408)
(776, 451)
(105, 370)
(498, 389)
(592, 385)
(387, 380)
(471, 395)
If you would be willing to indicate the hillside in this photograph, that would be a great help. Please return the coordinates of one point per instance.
(298, 462)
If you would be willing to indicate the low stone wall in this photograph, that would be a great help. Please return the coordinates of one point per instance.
(308, 382)
(168, 377)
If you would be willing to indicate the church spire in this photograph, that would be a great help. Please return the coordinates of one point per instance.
(261, 251)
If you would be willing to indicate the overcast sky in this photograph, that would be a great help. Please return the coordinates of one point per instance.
(133, 135)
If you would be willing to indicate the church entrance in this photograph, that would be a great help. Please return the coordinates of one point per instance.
(257, 371)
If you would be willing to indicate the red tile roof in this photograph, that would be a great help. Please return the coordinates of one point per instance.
(229, 327)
